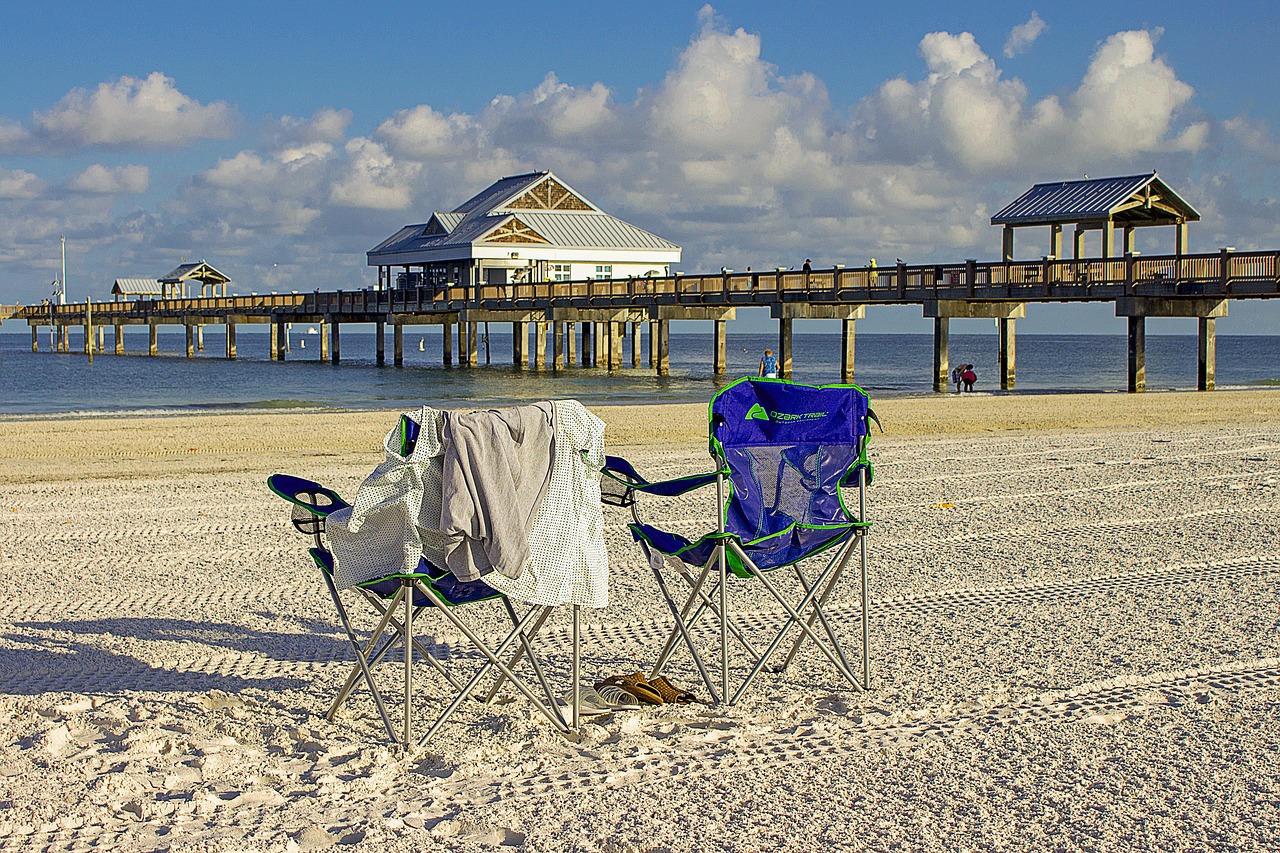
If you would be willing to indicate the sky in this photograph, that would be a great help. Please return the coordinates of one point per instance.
(280, 141)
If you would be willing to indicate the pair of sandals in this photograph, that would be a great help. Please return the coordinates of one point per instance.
(658, 691)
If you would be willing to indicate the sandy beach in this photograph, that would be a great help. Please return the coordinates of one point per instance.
(1074, 631)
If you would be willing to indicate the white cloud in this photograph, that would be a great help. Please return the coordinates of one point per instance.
(19, 184)
(118, 179)
(373, 178)
(963, 112)
(422, 133)
(1024, 35)
(132, 113)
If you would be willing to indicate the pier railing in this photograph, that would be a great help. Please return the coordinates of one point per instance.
(1226, 274)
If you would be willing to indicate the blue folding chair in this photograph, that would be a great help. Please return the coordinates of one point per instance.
(785, 454)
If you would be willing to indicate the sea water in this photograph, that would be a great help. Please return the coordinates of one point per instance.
(886, 365)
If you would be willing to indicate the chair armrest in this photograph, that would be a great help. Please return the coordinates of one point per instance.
(310, 496)
(621, 472)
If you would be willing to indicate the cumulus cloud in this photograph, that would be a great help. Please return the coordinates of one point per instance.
(1024, 35)
(131, 113)
(19, 184)
(107, 179)
(373, 178)
(1127, 104)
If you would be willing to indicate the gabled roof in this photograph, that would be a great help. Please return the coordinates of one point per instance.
(137, 287)
(197, 272)
(1134, 199)
(533, 208)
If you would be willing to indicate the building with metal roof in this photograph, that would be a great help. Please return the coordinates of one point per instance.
(1101, 204)
(136, 288)
(521, 228)
(177, 281)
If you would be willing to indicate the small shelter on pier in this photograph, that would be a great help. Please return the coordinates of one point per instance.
(522, 228)
(176, 283)
(1100, 204)
(128, 289)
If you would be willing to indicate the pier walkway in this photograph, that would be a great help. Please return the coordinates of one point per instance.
(1190, 286)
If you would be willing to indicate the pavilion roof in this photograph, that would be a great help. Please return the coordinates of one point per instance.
(1133, 199)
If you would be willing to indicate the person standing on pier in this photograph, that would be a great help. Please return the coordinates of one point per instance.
(769, 365)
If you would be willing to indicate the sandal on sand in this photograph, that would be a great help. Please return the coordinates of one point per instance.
(670, 693)
(636, 685)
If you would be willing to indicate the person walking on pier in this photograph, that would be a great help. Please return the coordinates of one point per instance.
(769, 365)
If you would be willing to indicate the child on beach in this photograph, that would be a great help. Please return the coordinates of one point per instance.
(955, 376)
(969, 377)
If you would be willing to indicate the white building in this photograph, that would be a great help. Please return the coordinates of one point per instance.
(522, 228)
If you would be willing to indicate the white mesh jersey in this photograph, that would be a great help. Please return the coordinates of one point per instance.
(395, 517)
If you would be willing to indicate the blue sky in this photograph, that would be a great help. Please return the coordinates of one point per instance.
(280, 141)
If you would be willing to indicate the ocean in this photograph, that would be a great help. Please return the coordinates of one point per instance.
(886, 365)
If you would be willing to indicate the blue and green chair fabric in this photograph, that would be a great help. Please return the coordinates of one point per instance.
(398, 599)
(791, 471)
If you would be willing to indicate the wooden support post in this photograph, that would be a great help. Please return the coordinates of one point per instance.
(653, 343)
(784, 348)
(587, 329)
(446, 344)
(200, 337)
(1137, 355)
(335, 342)
(274, 343)
(35, 338)
(324, 340)
(558, 345)
(664, 351)
(191, 340)
(635, 344)
(231, 340)
(282, 339)
(101, 336)
(379, 340)
(119, 339)
(1208, 358)
(846, 350)
(397, 344)
(153, 346)
(473, 343)
(540, 346)
(719, 357)
(571, 345)
(941, 356)
(615, 346)
(1008, 355)
(519, 343)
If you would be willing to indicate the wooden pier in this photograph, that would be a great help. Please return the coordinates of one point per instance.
(1191, 286)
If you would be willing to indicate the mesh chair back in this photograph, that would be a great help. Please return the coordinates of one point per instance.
(787, 449)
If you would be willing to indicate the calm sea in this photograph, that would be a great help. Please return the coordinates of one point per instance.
(887, 365)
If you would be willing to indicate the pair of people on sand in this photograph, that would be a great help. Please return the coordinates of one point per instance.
(964, 375)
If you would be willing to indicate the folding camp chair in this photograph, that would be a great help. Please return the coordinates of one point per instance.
(398, 599)
(784, 452)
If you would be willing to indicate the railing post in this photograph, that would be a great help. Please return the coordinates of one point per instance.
(1224, 268)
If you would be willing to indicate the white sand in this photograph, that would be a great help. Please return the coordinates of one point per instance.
(1075, 638)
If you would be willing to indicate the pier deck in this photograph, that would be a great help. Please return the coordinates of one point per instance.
(1192, 286)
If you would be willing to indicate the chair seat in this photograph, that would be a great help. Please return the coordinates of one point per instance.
(781, 549)
(449, 588)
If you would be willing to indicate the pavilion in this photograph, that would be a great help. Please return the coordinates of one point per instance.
(522, 228)
(1100, 204)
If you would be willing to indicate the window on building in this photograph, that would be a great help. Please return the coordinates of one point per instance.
(604, 271)
(561, 272)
